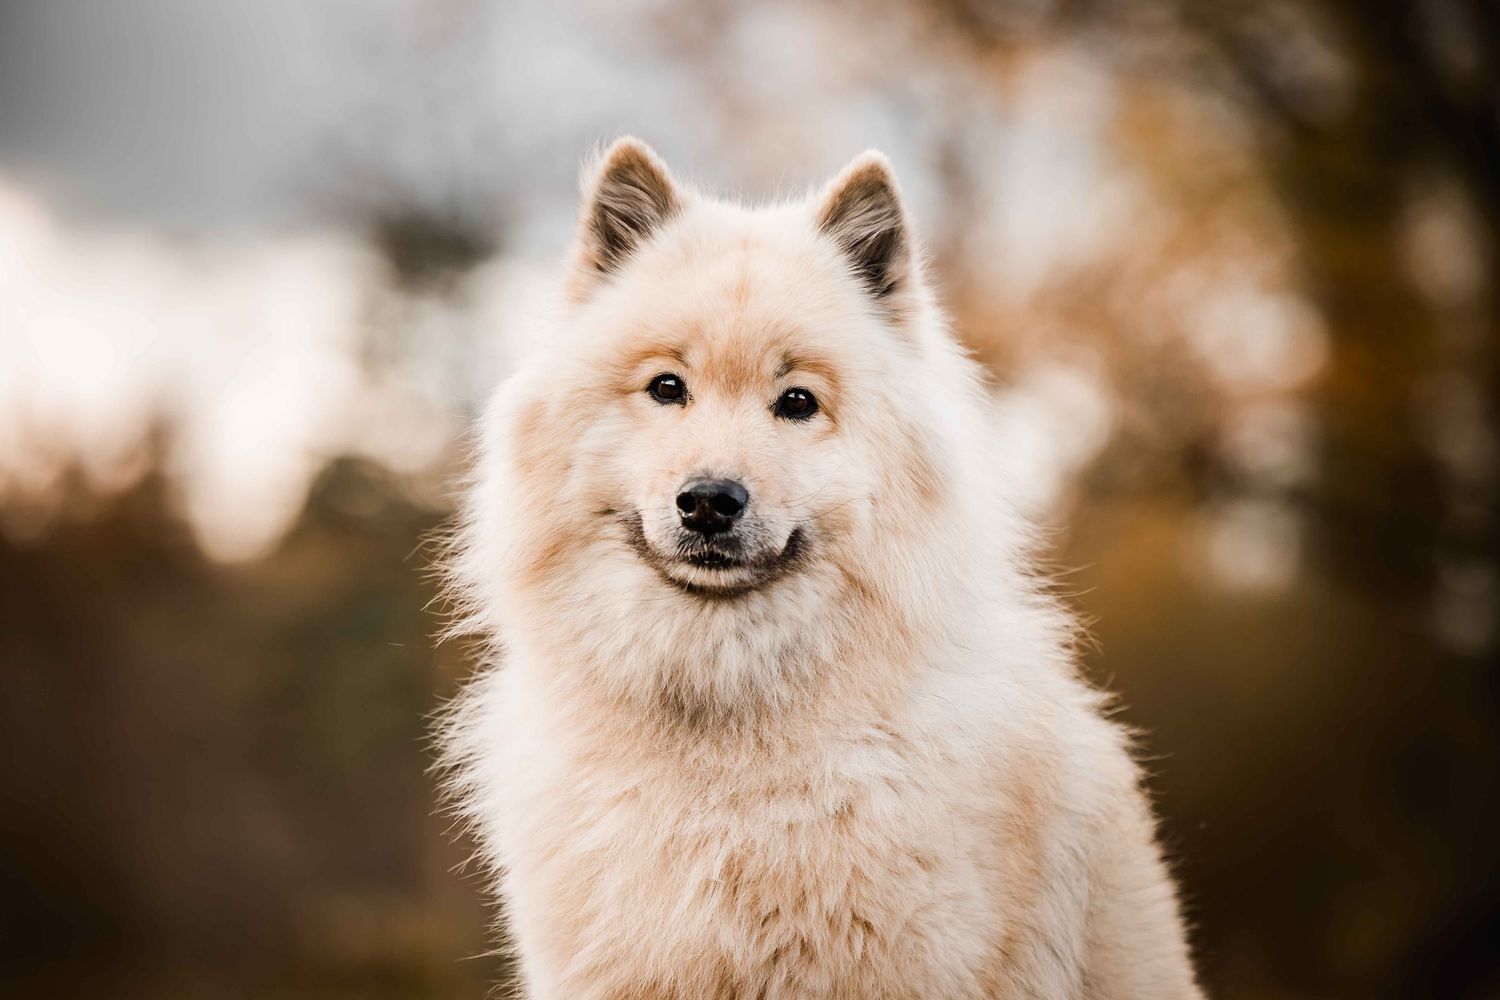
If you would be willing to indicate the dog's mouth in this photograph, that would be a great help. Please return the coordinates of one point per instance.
(719, 566)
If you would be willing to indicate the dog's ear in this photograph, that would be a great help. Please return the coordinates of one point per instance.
(627, 196)
(861, 212)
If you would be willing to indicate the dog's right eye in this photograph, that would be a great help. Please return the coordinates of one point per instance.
(668, 389)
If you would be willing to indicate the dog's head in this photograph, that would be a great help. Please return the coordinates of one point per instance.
(737, 409)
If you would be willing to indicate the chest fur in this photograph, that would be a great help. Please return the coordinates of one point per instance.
(863, 870)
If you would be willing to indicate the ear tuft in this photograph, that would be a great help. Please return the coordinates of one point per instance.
(630, 196)
(862, 213)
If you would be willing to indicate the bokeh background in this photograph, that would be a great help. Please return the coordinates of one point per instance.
(1234, 264)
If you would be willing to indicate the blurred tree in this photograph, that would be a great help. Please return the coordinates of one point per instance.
(1359, 109)
(1422, 107)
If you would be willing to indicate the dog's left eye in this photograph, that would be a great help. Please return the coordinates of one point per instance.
(796, 403)
(667, 388)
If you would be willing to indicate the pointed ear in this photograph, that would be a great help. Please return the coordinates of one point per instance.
(626, 198)
(861, 212)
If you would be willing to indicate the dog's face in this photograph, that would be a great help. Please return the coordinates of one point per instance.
(735, 406)
(731, 442)
(743, 366)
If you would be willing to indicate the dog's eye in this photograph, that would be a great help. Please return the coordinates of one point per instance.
(796, 403)
(667, 388)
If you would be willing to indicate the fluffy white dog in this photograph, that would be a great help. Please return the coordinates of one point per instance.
(781, 710)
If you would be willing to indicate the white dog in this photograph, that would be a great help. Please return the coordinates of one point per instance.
(782, 712)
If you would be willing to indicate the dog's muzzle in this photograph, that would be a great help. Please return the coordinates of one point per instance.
(715, 546)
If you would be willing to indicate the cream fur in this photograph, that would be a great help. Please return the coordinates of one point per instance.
(875, 775)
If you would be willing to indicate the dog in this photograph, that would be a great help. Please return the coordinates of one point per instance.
(778, 707)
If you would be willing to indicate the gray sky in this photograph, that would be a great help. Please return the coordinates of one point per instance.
(202, 115)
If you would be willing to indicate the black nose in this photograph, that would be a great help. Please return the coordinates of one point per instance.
(710, 506)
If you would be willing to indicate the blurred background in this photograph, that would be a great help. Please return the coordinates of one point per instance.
(1234, 264)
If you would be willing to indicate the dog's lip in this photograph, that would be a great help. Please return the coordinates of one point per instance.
(720, 574)
(728, 577)
(711, 559)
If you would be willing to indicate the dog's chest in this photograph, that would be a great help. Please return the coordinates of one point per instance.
(827, 874)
